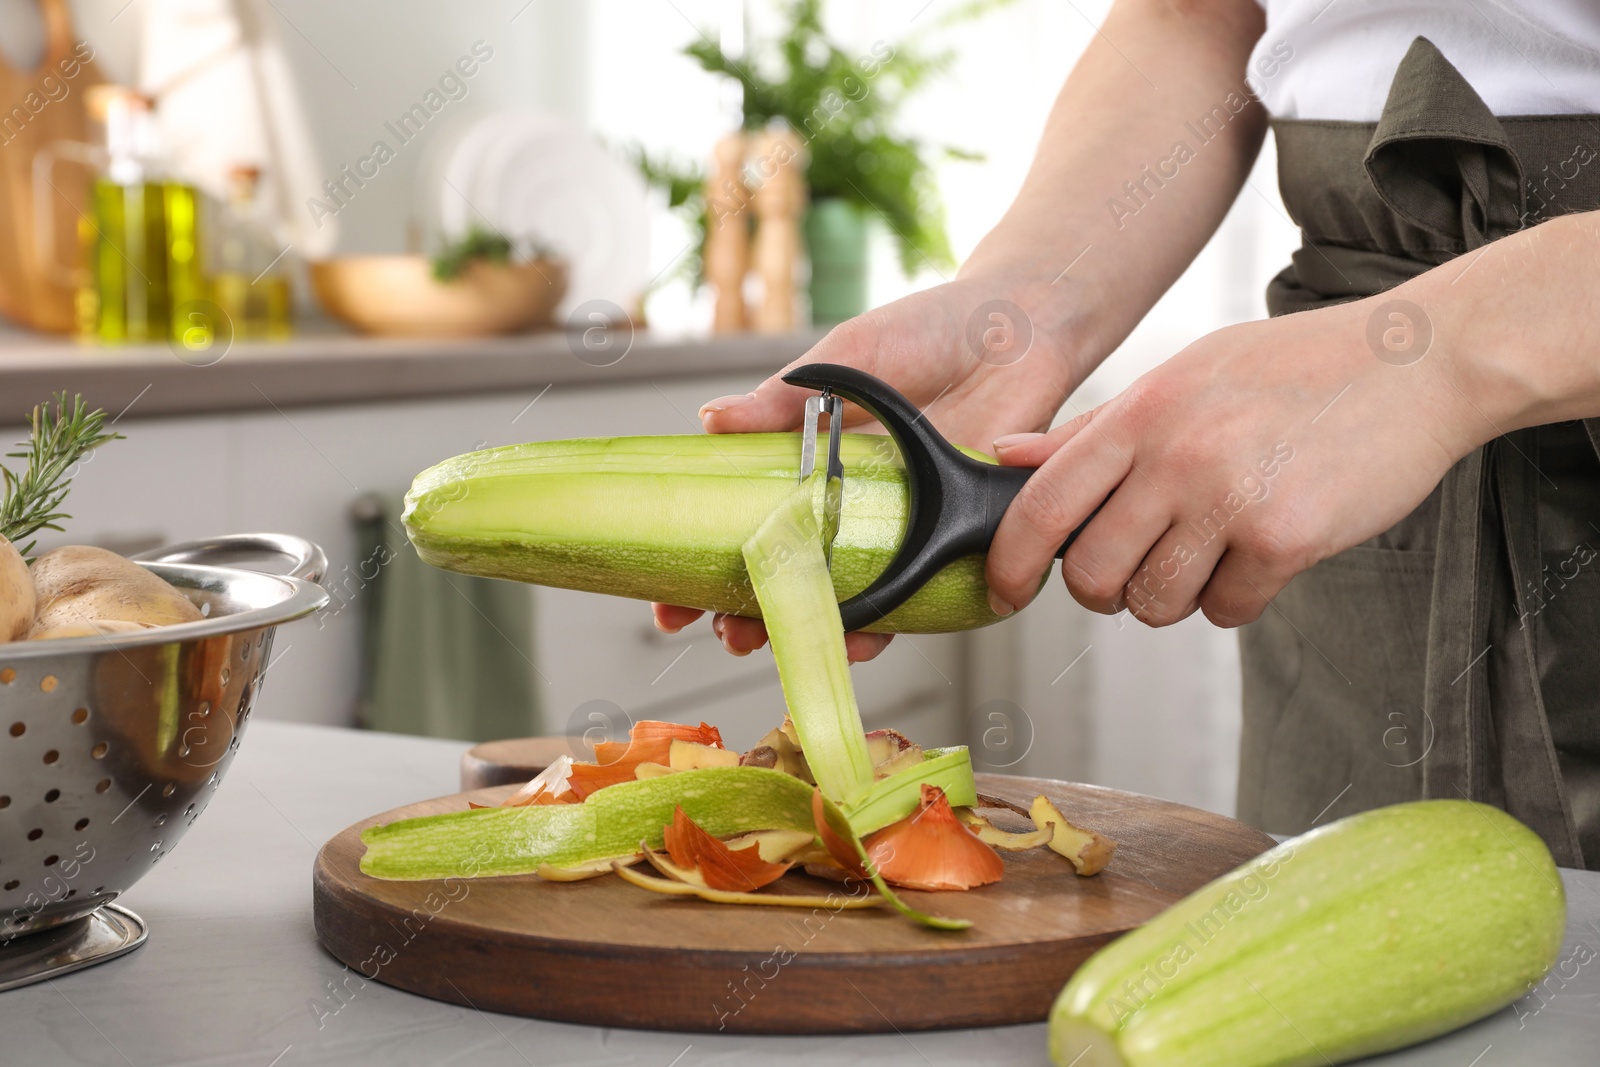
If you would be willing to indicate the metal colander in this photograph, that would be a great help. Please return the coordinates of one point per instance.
(111, 747)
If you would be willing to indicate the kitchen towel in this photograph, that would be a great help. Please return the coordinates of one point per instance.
(444, 655)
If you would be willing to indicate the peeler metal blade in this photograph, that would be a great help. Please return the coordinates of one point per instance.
(833, 486)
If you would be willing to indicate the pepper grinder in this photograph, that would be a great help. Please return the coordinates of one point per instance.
(727, 253)
(780, 201)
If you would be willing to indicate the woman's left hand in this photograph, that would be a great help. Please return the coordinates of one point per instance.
(1256, 452)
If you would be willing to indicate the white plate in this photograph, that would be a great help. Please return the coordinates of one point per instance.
(452, 173)
(536, 176)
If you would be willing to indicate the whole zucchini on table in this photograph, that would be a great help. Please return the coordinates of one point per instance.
(665, 518)
(1376, 932)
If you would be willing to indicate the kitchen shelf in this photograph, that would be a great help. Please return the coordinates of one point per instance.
(324, 366)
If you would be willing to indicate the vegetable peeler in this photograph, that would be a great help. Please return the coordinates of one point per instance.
(956, 501)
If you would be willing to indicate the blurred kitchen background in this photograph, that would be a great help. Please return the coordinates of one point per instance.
(303, 250)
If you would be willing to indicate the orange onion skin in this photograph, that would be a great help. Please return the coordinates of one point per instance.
(930, 849)
(735, 870)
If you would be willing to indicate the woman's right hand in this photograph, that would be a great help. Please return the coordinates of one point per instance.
(983, 357)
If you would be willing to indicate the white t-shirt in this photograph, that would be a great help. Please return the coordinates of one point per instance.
(1334, 59)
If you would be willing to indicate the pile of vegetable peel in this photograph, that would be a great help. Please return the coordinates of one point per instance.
(817, 797)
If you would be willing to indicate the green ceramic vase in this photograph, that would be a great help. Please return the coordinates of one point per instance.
(836, 241)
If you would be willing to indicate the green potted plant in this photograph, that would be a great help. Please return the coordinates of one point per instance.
(843, 105)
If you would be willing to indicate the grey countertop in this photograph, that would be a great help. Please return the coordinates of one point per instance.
(325, 366)
(232, 975)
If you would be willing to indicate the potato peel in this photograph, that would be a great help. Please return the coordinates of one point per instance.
(672, 871)
(776, 846)
(583, 871)
(1005, 840)
(723, 896)
(1088, 850)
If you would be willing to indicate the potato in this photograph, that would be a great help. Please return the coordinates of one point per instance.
(79, 584)
(92, 628)
(16, 594)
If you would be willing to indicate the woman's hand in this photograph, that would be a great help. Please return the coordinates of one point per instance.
(1082, 275)
(980, 356)
(1256, 452)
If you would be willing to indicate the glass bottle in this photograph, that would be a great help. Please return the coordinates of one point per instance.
(248, 278)
(141, 235)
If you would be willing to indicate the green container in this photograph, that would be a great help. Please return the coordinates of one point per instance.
(836, 241)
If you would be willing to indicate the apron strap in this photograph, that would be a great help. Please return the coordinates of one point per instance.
(1532, 784)
(1456, 686)
(1440, 159)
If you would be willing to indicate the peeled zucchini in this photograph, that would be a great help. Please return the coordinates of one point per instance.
(1376, 932)
(664, 518)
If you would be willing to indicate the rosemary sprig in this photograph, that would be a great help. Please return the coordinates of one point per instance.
(58, 442)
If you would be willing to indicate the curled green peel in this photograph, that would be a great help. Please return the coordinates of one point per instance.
(897, 796)
(790, 575)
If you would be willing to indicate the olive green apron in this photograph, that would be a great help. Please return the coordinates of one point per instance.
(1458, 654)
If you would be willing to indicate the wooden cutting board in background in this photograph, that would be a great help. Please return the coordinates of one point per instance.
(605, 953)
(32, 292)
(515, 759)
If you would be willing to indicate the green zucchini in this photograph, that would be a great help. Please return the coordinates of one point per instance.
(665, 518)
(1378, 931)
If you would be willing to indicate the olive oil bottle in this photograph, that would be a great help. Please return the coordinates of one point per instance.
(141, 237)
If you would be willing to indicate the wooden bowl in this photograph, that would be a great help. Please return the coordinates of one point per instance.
(398, 295)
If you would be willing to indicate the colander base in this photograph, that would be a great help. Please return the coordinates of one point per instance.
(105, 933)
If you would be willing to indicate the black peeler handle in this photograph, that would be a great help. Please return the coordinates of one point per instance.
(956, 501)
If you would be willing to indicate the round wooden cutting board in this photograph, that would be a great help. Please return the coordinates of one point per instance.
(605, 953)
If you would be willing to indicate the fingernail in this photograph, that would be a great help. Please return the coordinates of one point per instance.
(999, 606)
(664, 628)
(723, 403)
(1012, 440)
